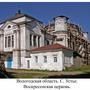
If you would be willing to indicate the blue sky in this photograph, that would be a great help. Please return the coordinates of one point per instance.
(78, 13)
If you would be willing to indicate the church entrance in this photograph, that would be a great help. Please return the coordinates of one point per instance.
(9, 62)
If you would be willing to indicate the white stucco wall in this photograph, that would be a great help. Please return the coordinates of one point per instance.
(50, 65)
(62, 56)
(24, 63)
(16, 60)
(22, 36)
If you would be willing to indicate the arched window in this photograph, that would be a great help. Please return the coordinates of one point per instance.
(9, 26)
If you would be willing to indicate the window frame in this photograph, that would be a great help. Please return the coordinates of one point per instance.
(38, 41)
(55, 58)
(9, 41)
(45, 59)
(36, 59)
(30, 38)
(6, 41)
(12, 40)
(28, 63)
(34, 40)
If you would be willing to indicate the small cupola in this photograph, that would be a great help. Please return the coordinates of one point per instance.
(60, 23)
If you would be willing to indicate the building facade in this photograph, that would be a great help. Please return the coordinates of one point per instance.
(18, 35)
(51, 57)
(22, 33)
(70, 35)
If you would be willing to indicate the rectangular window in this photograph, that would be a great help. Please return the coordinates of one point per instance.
(36, 59)
(34, 40)
(47, 42)
(38, 41)
(45, 59)
(5, 42)
(9, 41)
(30, 40)
(12, 40)
(28, 64)
(55, 58)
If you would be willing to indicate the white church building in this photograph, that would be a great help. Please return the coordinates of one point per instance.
(51, 57)
(29, 46)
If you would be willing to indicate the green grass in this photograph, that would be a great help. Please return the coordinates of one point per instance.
(28, 75)
(83, 68)
(24, 73)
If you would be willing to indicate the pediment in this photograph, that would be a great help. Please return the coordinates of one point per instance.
(9, 26)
